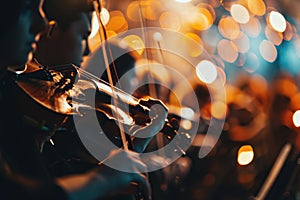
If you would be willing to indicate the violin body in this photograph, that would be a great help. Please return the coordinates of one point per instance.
(32, 100)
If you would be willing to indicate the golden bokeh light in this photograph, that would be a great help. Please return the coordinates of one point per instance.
(240, 13)
(150, 9)
(104, 16)
(218, 109)
(227, 50)
(117, 22)
(277, 21)
(202, 19)
(135, 42)
(170, 20)
(288, 33)
(242, 43)
(206, 71)
(186, 124)
(133, 11)
(245, 155)
(229, 28)
(253, 27)
(183, 1)
(187, 113)
(204, 7)
(273, 36)
(268, 51)
(295, 105)
(296, 118)
(196, 47)
(95, 25)
(257, 7)
(286, 87)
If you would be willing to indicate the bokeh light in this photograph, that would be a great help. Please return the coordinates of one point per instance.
(257, 7)
(206, 71)
(253, 27)
(277, 21)
(245, 155)
(170, 20)
(240, 13)
(273, 36)
(183, 1)
(227, 50)
(242, 43)
(117, 22)
(268, 51)
(196, 47)
(219, 109)
(296, 118)
(229, 28)
(135, 42)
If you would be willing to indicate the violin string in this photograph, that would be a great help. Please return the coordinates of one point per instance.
(92, 77)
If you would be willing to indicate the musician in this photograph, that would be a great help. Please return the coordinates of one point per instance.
(22, 175)
(66, 43)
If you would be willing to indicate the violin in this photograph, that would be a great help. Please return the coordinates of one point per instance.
(59, 96)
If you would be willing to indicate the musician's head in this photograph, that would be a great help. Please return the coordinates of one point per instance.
(20, 22)
(66, 40)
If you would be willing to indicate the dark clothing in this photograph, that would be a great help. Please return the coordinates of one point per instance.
(22, 174)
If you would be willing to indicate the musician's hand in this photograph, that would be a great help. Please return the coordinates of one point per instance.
(108, 181)
(143, 134)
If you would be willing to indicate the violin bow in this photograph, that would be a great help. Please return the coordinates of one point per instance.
(103, 39)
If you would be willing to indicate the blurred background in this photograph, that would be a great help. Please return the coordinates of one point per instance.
(249, 47)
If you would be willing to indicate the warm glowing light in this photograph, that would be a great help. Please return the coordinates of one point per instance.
(117, 22)
(268, 51)
(104, 16)
(245, 155)
(253, 27)
(150, 9)
(186, 124)
(227, 50)
(133, 11)
(229, 28)
(239, 13)
(95, 25)
(169, 20)
(296, 118)
(288, 33)
(277, 21)
(274, 36)
(257, 7)
(195, 48)
(135, 42)
(157, 37)
(206, 71)
(183, 1)
(218, 110)
(202, 19)
(295, 102)
(242, 43)
(187, 113)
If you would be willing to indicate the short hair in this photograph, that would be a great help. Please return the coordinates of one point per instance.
(64, 12)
